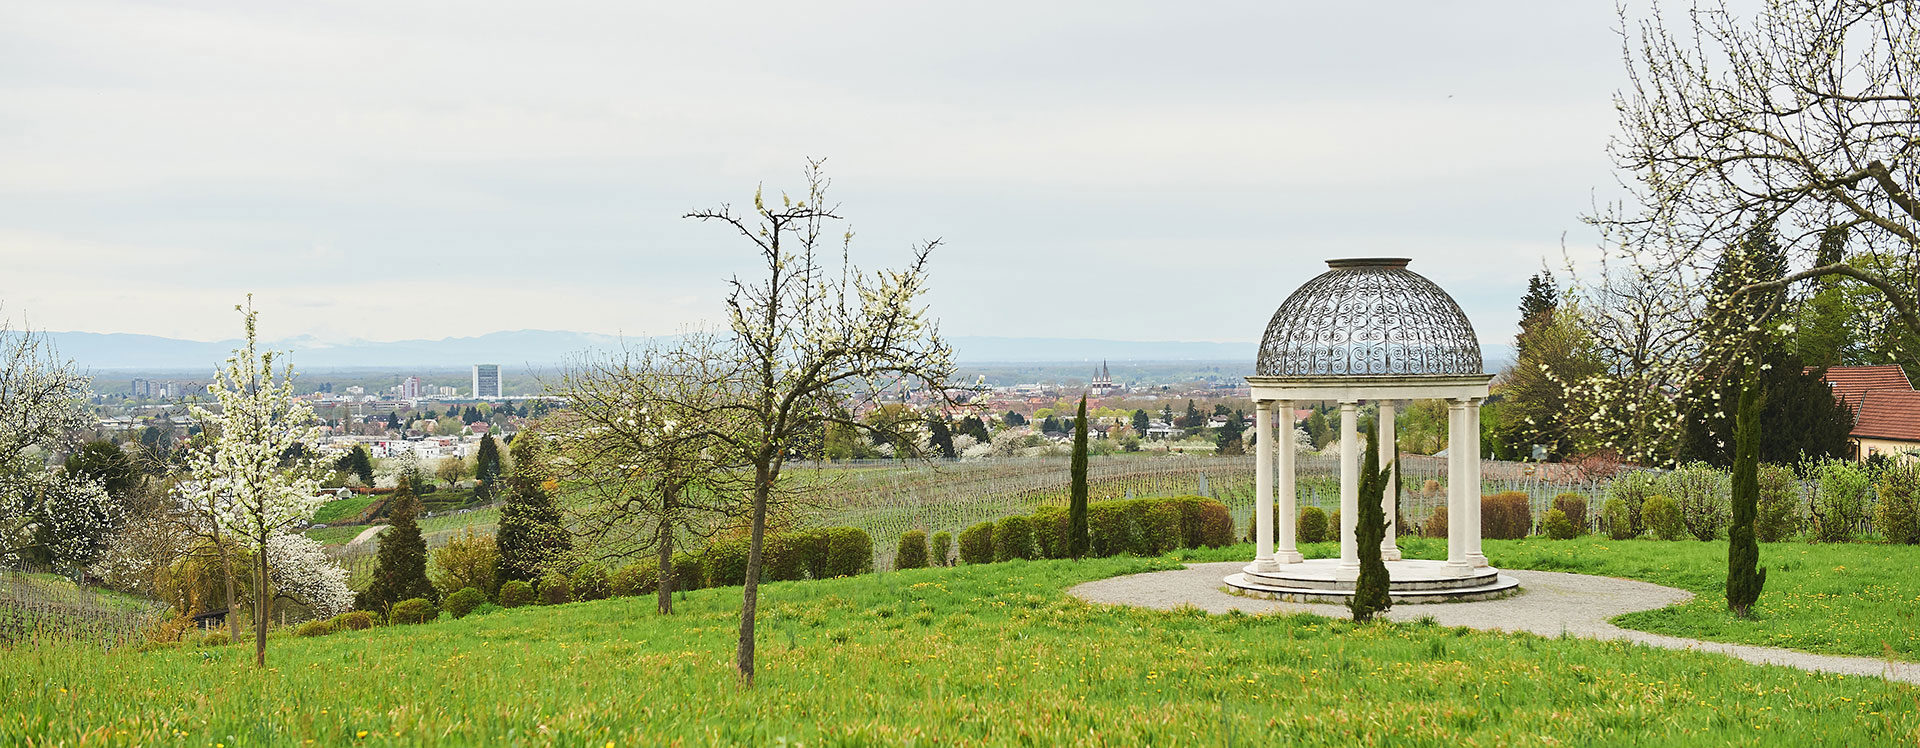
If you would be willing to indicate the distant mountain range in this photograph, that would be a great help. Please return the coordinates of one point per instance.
(539, 348)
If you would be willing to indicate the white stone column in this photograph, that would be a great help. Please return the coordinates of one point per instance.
(1457, 488)
(1349, 485)
(1263, 486)
(1472, 418)
(1389, 499)
(1287, 550)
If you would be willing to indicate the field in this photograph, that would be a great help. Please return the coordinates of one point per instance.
(343, 509)
(994, 654)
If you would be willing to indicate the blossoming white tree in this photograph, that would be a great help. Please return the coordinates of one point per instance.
(259, 477)
(302, 572)
(64, 517)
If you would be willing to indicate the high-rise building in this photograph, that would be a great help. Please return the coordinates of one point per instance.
(410, 388)
(486, 380)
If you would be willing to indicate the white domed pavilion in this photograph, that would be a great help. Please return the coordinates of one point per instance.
(1368, 330)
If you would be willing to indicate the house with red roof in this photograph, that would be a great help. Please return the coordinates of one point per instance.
(1886, 410)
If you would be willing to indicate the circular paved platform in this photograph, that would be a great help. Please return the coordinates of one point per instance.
(1412, 581)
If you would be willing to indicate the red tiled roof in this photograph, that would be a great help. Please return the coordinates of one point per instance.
(1852, 383)
(1889, 414)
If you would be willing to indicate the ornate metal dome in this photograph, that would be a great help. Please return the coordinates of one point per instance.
(1369, 317)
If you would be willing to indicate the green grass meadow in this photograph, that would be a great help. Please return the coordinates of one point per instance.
(983, 655)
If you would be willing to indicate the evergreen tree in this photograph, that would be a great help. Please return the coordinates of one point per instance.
(974, 427)
(1051, 426)
(362, 465)
(1193, 418)
(1077, 538)
(940, 436)
(486, 469)
(1227, 439)
(106, 462)
(1744, 577)
(1140, 422)
(401, 571)
(393, 420)
(1537, 307)
(1824, 332)
(530, 533)
(1015, 419)
(1317, 429)
(1370, 528)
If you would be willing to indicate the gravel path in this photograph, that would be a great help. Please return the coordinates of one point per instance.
(367, 534)
(1549, 604)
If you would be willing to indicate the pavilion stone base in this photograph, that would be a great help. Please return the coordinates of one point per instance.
(1408, 582)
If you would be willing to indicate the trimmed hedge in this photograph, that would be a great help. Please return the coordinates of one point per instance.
(459, 604)
(943, 548)
(1013, 538)
(1507, 515)
(353, 620)
(416, 610)
(590, 582)
(1619, 520)
(1109, 528)
(635, 579)
(688, 572)
(554, 590)
(725, 561)
(912, 553)
(1312, 525)
(1575, 507)
(976, 544)
(1557, 526)
(1050, 532)
(1161, 529)
(515, 593)
(1662, 516)
(314, 628)
(784, 556)
(849, 552)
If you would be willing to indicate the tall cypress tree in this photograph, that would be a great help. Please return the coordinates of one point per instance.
(1370, 528)
(401, 570)
(487, 468)
(1744, 577)
(1077, 539)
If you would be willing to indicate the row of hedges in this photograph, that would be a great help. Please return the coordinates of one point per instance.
(1145, 527)
(1829, 501)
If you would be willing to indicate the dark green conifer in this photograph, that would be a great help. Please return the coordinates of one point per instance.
(401, 570)
(1744, 577)
(530, 533)
(1370, 528)
(1077, 539)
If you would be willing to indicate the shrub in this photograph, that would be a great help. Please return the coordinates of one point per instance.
(638, 578)
(314, 628)
(1333, 525)
(1013, 538)
(1507, 515)
(783, 557)
(515, 593)
(1430, 487)
(1575, 507)
(1050, 532)
(1190, 508)
(976, 544)
(849, 552)
(416, 610)
(688, 573)
(353, 620)
(485, 609)
(1436, 526)
(590, 582)
(1108, 528)
(1702, 493)
(1897, 516)
(214, 639)
(1662, 518)
(1134, 521)
(1633, 488)
(725, 561)
(1312, 527)
(1160, 528)
(1216, 526)
(459, 604)
(1840, 502)
(471, 560)
(1557, 526)
(1778, 517)
(812, 546)
(554, 590)
(912, 553)
(942, 548)
(1619, 523)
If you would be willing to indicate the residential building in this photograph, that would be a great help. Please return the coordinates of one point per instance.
(1886, 410)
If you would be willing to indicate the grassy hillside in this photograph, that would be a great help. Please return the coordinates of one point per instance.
(993, 655)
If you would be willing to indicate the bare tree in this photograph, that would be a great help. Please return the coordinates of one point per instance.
(810, 339)
(1803, 116)
(635, 446)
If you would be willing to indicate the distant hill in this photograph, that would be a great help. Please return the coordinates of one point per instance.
(546, 347)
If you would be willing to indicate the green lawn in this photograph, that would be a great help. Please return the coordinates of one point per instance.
(343, 509)
(338, 535)
(1836, 598)
(996, 655)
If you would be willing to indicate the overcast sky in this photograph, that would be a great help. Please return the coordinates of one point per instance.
(1138, 171)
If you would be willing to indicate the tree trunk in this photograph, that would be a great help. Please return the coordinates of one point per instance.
(750, 597)
(233, 581)
(666, 566)
(260, 600)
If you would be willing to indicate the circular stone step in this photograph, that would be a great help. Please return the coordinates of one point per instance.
(1500, 586)
(1409, 581)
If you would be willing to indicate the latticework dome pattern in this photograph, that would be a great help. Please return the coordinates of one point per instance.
(1369, 317)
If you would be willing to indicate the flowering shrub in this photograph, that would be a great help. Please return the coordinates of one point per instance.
(302, 571)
